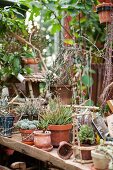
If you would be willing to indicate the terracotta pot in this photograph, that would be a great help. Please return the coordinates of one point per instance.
(42, 140)
(59, 133)
(64, 92)
(100, 160)
(85, 151)
(105, 1)
(105, 12)
(30, 60)
(65, 150)
(27, 136)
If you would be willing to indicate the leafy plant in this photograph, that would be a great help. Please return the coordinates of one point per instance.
(27, 124)
(86, 135)
(43, 124)
(57, 114)
(30, 109)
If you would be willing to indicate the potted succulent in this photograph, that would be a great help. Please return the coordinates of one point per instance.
(29, 109)
(86, 138)
(27, 128)
(105, 12)
(42, 137)
(59, 121)
(102, 157)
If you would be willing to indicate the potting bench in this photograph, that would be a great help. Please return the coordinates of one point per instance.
(52, 157)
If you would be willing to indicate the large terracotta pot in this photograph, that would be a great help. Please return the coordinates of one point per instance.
(27, 136)
(105, 11)
(42, 140)
(59, 133)
(64, 92)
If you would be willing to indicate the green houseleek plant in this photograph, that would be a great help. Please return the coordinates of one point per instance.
(86, 135)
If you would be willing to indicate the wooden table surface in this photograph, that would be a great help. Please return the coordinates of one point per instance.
(15, 143)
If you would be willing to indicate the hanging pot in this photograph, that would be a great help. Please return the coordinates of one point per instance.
(30, 60)
(105, 1)
(105, 12)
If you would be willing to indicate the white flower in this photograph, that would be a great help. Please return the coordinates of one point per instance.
(44, 50)
(47, 37)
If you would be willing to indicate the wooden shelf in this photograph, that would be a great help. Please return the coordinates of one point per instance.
(16, 144)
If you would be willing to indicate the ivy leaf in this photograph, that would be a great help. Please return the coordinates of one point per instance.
(87, 80)
(69, 41)
(55, 28)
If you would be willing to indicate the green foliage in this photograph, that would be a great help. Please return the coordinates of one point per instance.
(27, 124)
(43, 124)
(84, 21)
(30, 108)
(86, 135)
(57, 114)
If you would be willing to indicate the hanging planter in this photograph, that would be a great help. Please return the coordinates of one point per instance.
(30, 60)
(105, 1)
(105, 12)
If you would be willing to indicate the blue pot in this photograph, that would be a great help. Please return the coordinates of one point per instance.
(7, 124)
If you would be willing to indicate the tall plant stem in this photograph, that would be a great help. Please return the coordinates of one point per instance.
(22, 40)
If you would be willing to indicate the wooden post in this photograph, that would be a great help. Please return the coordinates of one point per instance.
(30, 89)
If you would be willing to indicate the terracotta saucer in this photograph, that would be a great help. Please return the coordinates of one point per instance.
(93, 168)
(48, 149)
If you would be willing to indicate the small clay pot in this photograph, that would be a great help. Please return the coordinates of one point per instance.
(105, 12)
(105, 1)
(30, 60)
(42, 140)
(27, 136)
(65, 150)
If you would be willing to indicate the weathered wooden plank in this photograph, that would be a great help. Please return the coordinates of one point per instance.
(16, 144)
